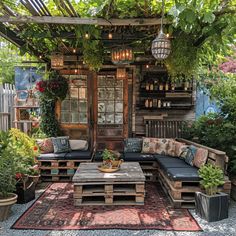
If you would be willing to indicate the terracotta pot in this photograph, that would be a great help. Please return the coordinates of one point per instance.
(5, 206)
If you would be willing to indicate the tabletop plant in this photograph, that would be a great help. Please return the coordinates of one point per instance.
(212, 178)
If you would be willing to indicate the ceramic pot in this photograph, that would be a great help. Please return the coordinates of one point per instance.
(5, 206)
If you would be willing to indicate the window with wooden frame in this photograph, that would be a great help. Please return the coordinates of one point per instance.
(74, 109)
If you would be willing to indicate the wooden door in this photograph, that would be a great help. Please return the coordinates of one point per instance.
(111, 106)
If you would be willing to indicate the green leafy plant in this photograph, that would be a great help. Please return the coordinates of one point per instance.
(49, 124)
(7, 166)
(212, 178)
(107, 155)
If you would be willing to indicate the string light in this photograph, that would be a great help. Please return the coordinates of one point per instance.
(76, 70)
(167, 35)
(110, 35)
(74, 50)
(86, 35)
(40, 56)
(147, 66)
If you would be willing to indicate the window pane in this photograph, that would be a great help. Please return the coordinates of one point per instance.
(101, 107)
(119, 94)
(101, 94)
(65, 117)
(65, 105)
(75, 117)
(101, 118)
(74, 105)
(74, 92)
(109, 118)
(83, 106)
(119, 107)
(83, 117)
(82, 93)
(119, 118)
(110, 107)
(110, 93)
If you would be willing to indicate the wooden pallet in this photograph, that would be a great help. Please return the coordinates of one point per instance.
(58, 170)
(148, 165)
(185, 196)
(150, 176)
(113, 193)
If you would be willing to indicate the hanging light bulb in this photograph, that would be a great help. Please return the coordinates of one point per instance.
(86, 35)
(161, 46)
(110, 35)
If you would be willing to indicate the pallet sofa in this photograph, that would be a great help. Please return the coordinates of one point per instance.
(179, 180)
(60, 167)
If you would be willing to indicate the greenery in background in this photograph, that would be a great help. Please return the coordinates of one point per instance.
(7, 166)
(216, 131)
(49, 124)
(212, 178)
(202, 32)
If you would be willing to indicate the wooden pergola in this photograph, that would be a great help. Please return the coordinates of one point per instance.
(62, 27)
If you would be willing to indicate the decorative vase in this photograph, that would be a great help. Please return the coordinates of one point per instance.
(212, 207)
(5, 206)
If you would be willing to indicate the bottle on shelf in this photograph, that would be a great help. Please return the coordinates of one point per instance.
(147, 86)
(146, 103)
(161, 86)
(168, 104)
(151, 87)
(159, 103)
(155, 85)
(173, 86)
(150, 103)
(167, 86)
(154, 102)
(164, 104)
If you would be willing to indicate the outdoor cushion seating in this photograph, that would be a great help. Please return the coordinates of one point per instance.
(73, 155)
(183, 174)
(133, 156)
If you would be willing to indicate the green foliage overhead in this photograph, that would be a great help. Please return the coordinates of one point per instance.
(212, 178)
(201, 31)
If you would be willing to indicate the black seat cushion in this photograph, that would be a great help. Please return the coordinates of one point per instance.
(170, 162)
(183, 174)
(73, 155)
(132, 156)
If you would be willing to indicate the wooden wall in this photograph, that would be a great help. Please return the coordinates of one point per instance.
(138, 126)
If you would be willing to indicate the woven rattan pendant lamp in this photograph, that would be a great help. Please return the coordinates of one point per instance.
(161, 46)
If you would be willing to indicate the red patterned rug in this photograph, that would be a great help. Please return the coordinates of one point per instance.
(54, 210)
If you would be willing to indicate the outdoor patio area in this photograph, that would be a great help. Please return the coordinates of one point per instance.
(117, 117)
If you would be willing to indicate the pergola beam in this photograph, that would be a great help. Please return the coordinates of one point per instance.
(61, 20)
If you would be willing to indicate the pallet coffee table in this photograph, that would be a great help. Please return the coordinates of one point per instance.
(124, 187)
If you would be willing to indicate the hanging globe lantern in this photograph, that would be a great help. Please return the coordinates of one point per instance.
(123, 55)
(161, 46)
(57, 61)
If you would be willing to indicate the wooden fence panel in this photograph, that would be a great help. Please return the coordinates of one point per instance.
(7, 93)
(164, 128)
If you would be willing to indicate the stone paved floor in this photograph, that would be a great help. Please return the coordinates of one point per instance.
(224, 227)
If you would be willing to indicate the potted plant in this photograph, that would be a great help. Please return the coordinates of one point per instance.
(211, 205)
(111, 158)
(7, 178)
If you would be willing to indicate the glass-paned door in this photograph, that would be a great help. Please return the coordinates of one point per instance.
(74, 109)
(110, 100)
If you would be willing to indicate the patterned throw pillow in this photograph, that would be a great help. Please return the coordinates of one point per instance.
(179, 148)
(171, 148)
(200, 158)
(133, 145)
(45, 145)
(188, 154)
(162, 146)
(61, 144)
(150, 145)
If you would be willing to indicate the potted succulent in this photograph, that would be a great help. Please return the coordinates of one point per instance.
(211, 205)
(7, 178)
